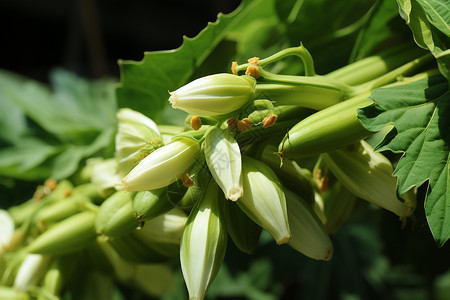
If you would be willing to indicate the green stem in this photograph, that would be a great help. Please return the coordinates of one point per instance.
(299, 51)
(374, 66)
(315, 81)
(394, 74)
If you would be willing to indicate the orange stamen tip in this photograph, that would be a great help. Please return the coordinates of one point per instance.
(196, 122)
(233, 67)
(269, 120)
(244, 124)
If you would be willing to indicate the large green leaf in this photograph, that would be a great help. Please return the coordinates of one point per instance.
(419, 112)
(429, 21)
(75, 110)
(438, 14)
(46, 132)
(145, 84)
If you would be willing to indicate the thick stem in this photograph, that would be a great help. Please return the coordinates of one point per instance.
(392, 76)
(315, 81)
(372, 67)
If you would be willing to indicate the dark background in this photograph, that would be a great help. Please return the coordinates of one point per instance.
(89, 36)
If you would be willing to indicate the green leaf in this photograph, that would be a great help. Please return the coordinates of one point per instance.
(328, 29)
(49, 131)
(438, 14)
(145, 84)
(12, 118)
(429, 21)
(419, 112)
(376, 29)
(26, 159)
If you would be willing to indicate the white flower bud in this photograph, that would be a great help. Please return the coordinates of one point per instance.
(368, 175)
(203, 244)
(213, 95)
(264, 200)
(223, 156)
(163, 166)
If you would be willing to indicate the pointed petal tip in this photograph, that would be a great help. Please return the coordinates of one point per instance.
(283, 240)
(234, 194)
(173, 99)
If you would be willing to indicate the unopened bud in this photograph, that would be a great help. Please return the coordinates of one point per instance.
(213, 95)
(264, 200)
(163, 166)
(137, 137)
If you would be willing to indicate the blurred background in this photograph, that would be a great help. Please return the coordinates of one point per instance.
(88, 37)
(375, 257)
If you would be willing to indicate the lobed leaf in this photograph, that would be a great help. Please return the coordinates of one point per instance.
(419, 112)
(429, 21)
(48, 131)
(145, 84)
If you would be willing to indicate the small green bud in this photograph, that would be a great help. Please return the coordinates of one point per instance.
(52, 282)
(163, 166)
(243, 231)
(115, 216)
(10, 293)
(308, 233)
(150, 204)
(213, 95)
(264, 200)
(165, 228)
(69, 235)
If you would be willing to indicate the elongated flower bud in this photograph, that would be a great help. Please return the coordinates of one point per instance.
(243, 231)
(165, 228)
(115, 217)
(213, 95)
(149, 204)
(264, 200)
(368, 175)
(70, 235)
(10, 293)
(223, 157)
(290, 173)
(137, 137)
(31, 271)
(203, 243)
(53, 281)
(163, 166)
(308, 234)
(334, 203)
(6, 230)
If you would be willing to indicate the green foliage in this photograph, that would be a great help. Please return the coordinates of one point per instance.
(419, 112)
(47, 132)
(145, 84)
(50, 131)
(429, 21)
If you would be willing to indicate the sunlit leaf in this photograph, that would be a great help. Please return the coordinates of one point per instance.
(419, 112)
